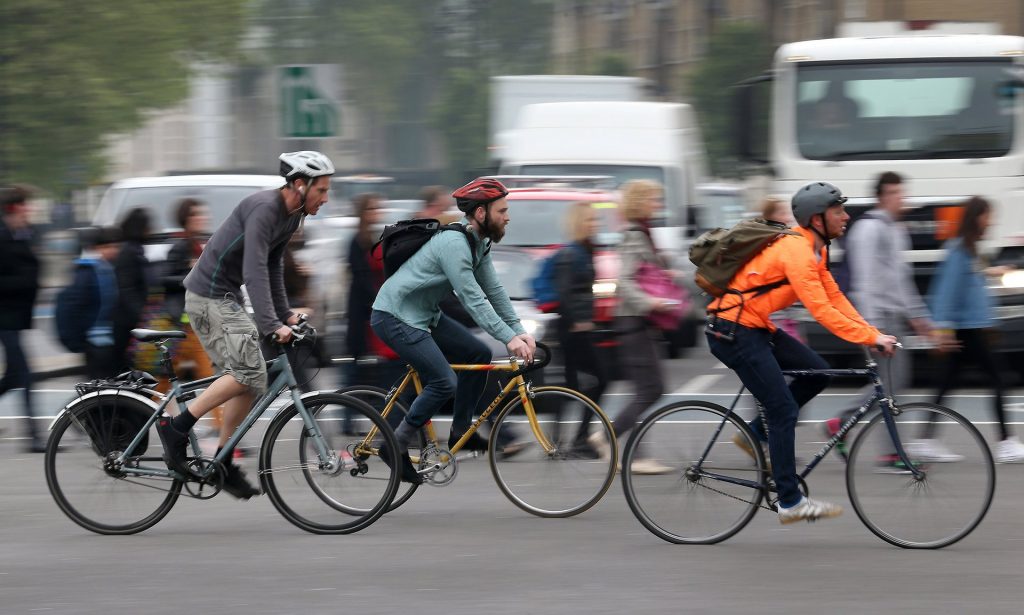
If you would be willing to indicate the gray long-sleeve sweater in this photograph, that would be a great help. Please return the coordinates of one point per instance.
(248, 248)
(881, 280)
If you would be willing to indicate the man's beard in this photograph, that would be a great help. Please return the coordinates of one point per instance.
(494, 232)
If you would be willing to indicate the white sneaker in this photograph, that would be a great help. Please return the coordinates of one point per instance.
(599, 443)
(649, 466)
(1010, 450)
(933, 451)
(809, 510)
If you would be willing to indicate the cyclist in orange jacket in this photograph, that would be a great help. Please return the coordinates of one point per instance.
(742, 336)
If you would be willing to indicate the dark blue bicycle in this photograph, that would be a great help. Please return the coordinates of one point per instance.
(721, 476)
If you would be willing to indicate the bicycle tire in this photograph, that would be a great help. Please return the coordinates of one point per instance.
(561, 483)
(899, 508)
(375, 397)
(326, 500)
(100, 500)
(673, 506)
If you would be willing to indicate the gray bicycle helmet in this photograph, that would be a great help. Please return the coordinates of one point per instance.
(814, 198)
(305, 164)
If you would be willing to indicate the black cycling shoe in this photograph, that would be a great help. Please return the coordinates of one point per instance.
(475, 442)
(175, 446)
(408, 471)
(237, 485)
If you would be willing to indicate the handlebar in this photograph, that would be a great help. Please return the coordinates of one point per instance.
(537, 364)
(867, 352)
(300, 331)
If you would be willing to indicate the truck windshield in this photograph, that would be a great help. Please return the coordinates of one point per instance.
(904, 110)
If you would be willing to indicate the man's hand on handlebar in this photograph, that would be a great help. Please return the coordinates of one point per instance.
(886, 344)
(283, 334)
(520, 348)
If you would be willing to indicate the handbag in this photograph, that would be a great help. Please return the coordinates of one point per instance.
(658, 283)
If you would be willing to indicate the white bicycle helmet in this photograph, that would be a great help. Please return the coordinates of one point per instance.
(309, 164)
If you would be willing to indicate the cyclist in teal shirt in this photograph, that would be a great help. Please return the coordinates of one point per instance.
(407, 318)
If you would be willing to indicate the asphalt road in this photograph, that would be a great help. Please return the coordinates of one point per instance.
(466, 549)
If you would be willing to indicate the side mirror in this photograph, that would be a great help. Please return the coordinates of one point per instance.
(751, 114)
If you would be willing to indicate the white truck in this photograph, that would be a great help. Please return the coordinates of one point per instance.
(511, 93)
(624, 140)
(942, 110)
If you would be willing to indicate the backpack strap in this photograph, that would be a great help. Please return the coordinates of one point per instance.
(471, 239)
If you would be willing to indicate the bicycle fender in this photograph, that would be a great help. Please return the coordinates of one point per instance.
(103, 392)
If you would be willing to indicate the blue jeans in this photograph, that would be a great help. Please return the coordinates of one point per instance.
(429, 354)
(758, 357)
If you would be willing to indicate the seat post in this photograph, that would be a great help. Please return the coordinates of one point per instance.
(165, 361)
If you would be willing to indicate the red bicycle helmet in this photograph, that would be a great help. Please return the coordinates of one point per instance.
(479, 192)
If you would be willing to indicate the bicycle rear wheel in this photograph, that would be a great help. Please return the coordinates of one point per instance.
(85, 483)
(376, 398)
(936, 509)
(342, 494)
(561, 482)
(691, 504)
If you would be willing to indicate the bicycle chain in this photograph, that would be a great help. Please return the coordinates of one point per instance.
(735, 497)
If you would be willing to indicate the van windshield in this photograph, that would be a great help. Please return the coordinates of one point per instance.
(162, 203)
(904, 110)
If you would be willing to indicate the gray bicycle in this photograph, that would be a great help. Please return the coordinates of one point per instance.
(105, 470)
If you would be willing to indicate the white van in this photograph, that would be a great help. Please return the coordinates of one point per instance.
(625, 140)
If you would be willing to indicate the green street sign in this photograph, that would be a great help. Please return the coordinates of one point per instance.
(306, 109)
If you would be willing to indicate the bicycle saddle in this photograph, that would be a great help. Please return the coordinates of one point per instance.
(152, 335)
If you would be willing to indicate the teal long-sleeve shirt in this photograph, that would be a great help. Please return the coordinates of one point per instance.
(444, 263)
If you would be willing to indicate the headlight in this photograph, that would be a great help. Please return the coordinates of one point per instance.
(604, 289)
(1013, 279)
(531, 326)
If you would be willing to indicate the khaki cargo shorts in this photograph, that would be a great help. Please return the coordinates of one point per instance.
(230, 337)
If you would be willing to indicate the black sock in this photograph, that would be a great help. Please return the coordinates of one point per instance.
(184, 422)
(227, 460)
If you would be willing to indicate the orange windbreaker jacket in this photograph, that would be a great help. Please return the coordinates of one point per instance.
(792, 258)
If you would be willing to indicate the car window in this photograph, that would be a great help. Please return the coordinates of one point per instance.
(542, 222)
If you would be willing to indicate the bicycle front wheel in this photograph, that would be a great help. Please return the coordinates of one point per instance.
(545, 466)
(339, 492)
(940, 505)
(699, 497)
(377, 397)
(81, 474)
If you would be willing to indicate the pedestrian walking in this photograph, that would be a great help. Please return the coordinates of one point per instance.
(962, 306)
(574, 281)
(883, 291)
(19, 283)
(131, 268)
(638, 348)
(189, 358)
(93, 298)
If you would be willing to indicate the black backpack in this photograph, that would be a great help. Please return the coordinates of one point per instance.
(72, 321)
(401, 240)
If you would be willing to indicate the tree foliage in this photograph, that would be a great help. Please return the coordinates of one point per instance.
(73, 71)
(736, 51)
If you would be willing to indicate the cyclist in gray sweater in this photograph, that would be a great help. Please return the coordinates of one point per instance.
(248, 249)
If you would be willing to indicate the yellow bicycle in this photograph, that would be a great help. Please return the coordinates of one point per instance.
(537, 446)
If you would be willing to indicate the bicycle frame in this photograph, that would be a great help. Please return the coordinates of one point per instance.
(281, 377)
(885, 403)
(518, 382)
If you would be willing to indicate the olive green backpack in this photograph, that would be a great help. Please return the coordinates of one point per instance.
(720, 253)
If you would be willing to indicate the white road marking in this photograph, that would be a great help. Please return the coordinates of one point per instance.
(698, 384)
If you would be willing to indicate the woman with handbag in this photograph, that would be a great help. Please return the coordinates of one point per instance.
(641, 201)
